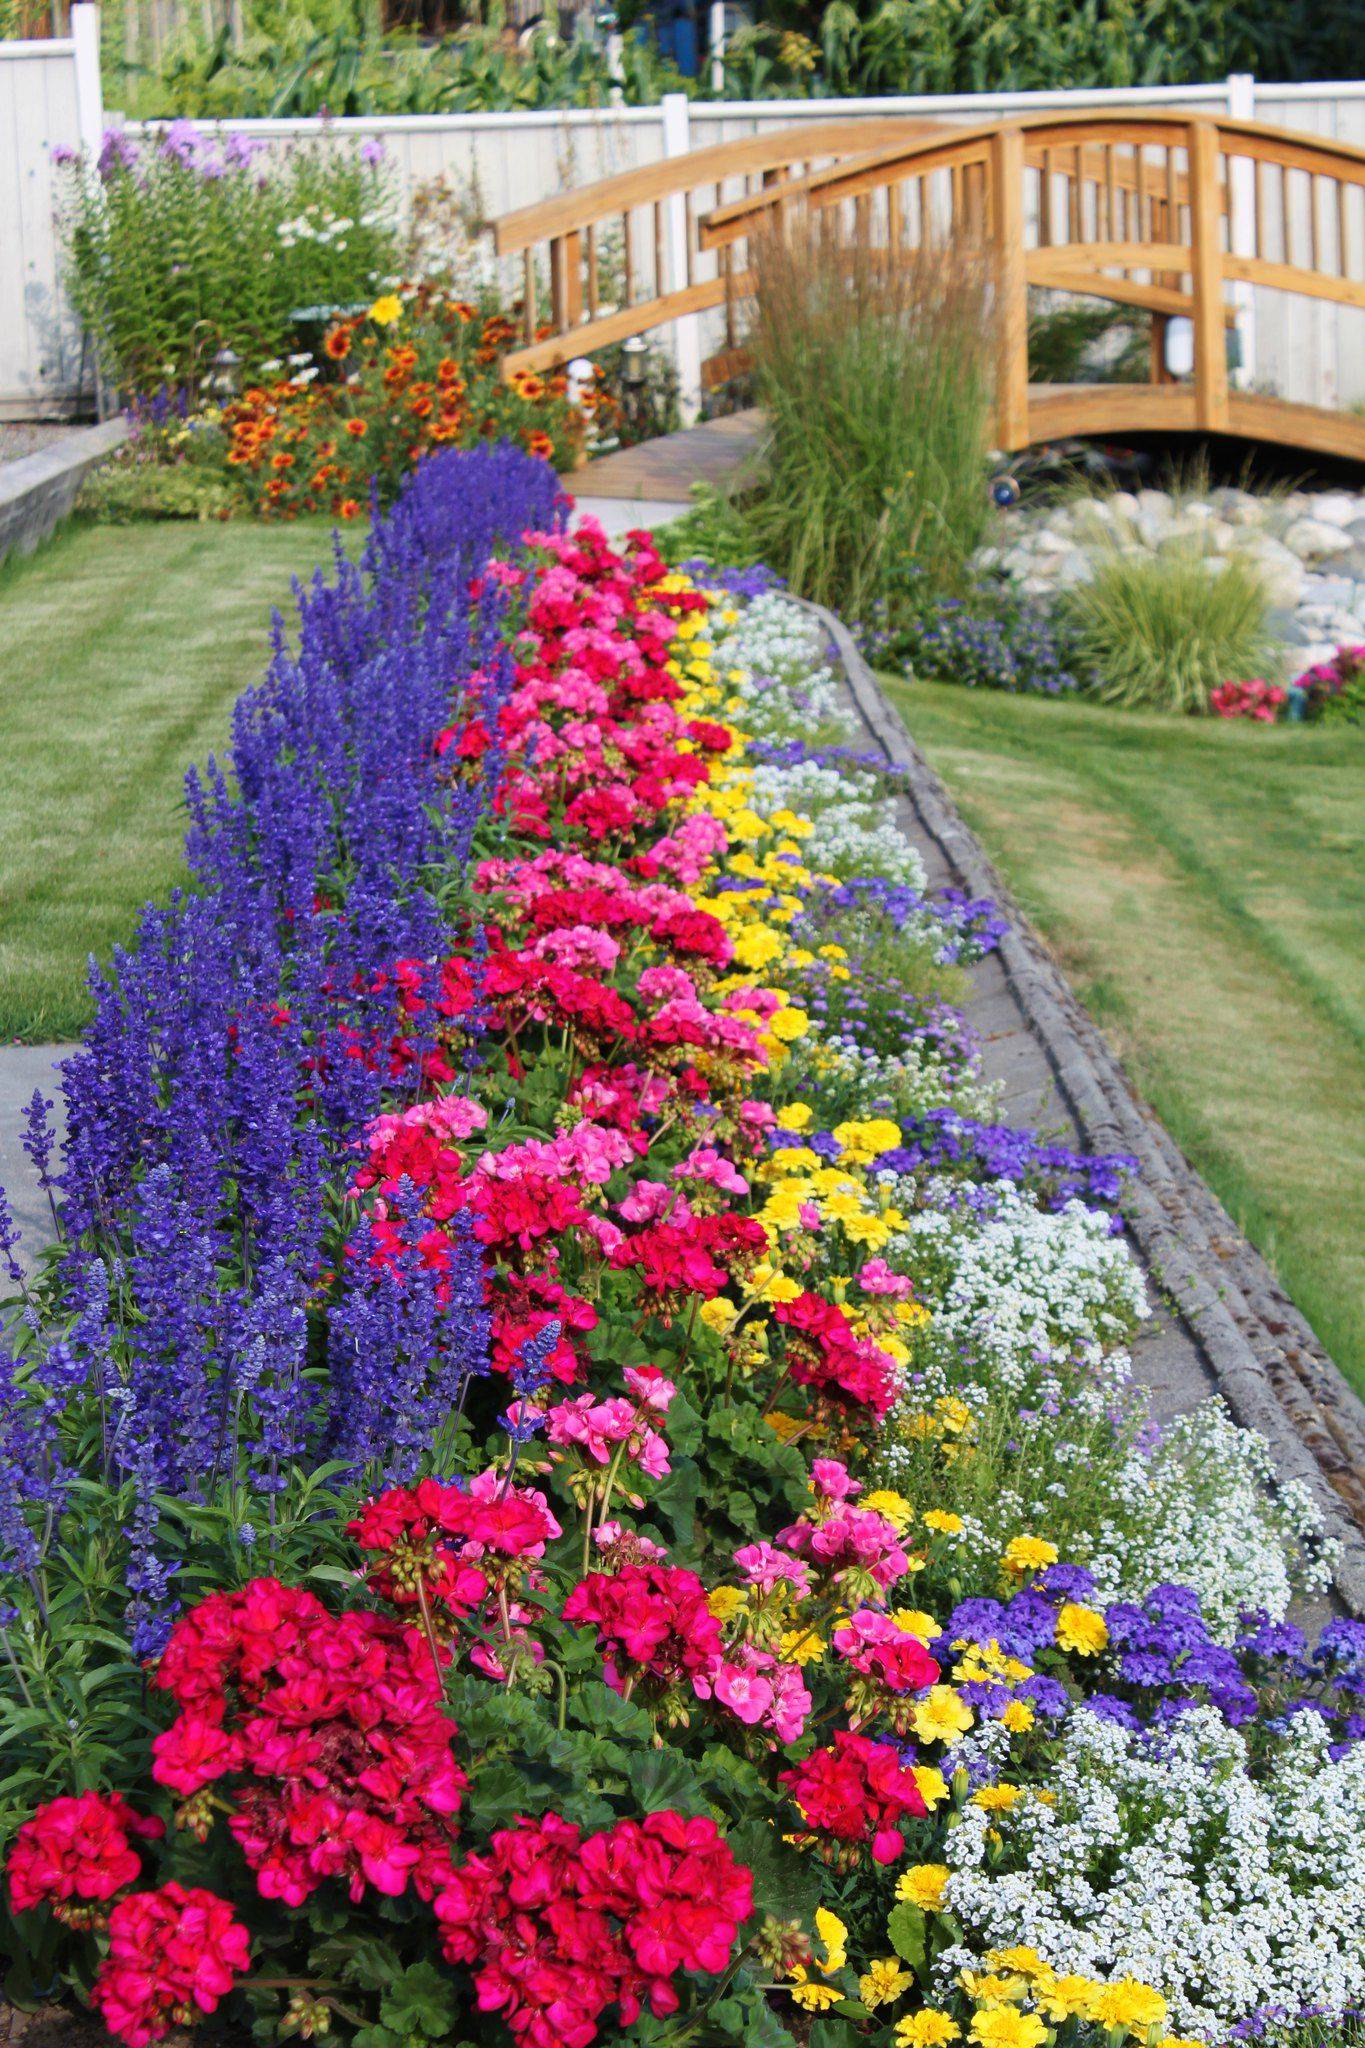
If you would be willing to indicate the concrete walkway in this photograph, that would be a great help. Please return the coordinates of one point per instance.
(22, 1069)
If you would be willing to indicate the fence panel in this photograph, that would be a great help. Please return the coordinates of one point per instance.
(40, 345)
(508, 160)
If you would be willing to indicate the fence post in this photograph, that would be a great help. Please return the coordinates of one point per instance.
(1206, 262)
(687, 329)
(716, 39)
(1011, 288)
(85, 37)
(1242, 222)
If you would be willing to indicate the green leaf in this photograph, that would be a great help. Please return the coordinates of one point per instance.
(661, 1778)
(906, 1931)
(421, 2002)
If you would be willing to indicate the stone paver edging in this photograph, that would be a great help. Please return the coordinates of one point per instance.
(38, 491)
(1259, 1352)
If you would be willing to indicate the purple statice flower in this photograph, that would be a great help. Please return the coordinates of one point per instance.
(118, 152)
(180, 142)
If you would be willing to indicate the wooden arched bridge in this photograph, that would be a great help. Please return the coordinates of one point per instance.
(1179, 216)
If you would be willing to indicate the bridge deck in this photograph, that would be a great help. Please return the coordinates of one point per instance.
(664, 470)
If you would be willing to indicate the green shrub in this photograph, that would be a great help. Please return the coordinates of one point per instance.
(876, 382)
(1164, 628)
(182, 247)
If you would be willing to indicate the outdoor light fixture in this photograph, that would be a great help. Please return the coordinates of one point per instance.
(633, 354)
(1179, 347)
(225, 377)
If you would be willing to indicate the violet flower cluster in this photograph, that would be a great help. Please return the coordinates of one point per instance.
(255, 1025)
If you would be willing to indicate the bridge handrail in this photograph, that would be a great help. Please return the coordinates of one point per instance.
(1069, 201)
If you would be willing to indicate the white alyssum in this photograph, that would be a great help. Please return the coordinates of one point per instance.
(1027, 1286)
(1162, 1857)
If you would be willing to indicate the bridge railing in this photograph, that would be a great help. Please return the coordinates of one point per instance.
(1177, 215)
(623, 255)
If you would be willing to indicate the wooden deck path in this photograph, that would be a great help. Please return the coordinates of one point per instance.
(660, 474)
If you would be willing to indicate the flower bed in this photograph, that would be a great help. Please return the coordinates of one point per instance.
(620, 1472)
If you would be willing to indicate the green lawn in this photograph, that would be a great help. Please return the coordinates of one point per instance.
(1204, 886)
(124, 649)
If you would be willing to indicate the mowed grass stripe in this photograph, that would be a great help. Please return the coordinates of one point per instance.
(125, 649)
(1204, 888)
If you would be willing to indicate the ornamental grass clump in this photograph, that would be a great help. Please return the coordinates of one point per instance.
(875, 377)
(1163, 630)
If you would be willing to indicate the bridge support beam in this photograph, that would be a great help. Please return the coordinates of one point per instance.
(1011, 288)
(1210, 327)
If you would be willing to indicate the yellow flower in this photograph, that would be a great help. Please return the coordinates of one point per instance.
(788, 1024)
(1128, 2004)
(718, 1314)
(386, 310)
(940, 1716)
(894, 1506)
(725, 1602)
(916, 1623)
(812, 1997)
(927, 2029)
(1064, 1998)
(943, 1523)
(1081, 1629)
(922, 1885)
(1004, 2027)
(933, 1786)
(801, 1646)
(1179, 2041)
(1022, 1958)
(1029, 1554)
(1018, 1717)
(883, 1981)
(834, 1935)
(997, 1798)
(795, 1117)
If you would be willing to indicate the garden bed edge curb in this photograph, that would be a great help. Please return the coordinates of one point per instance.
(1266, 1362)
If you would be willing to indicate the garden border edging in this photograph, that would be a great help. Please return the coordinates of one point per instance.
(38, 491)
(1264, 1359)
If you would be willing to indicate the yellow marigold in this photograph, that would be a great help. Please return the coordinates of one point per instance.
(788, 1024)
(812, 1997)
(386, 309)
(1018, 1717)
(834, 1936)
(940, 1716)
(997, 1798)
(943, 1523)
(922, 1885)
(725, 1602)
(801, 1646)
(927, 2029)
(1068, 1997)
(1004, 2027)
(1022, 1958)
(933, 1786)
(882, 1982)
(916, 1623)
(1081, 1629)
(989, 1987)
(1128, 2003)
(1180, 2041)
(1029, 1554)
(894, 1506)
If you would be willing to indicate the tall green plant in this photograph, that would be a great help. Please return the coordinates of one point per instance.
(180, 248)
(876, 381)
(1163, 629)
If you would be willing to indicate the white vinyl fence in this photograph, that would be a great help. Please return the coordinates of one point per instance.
(48, 95)
(49, 99)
